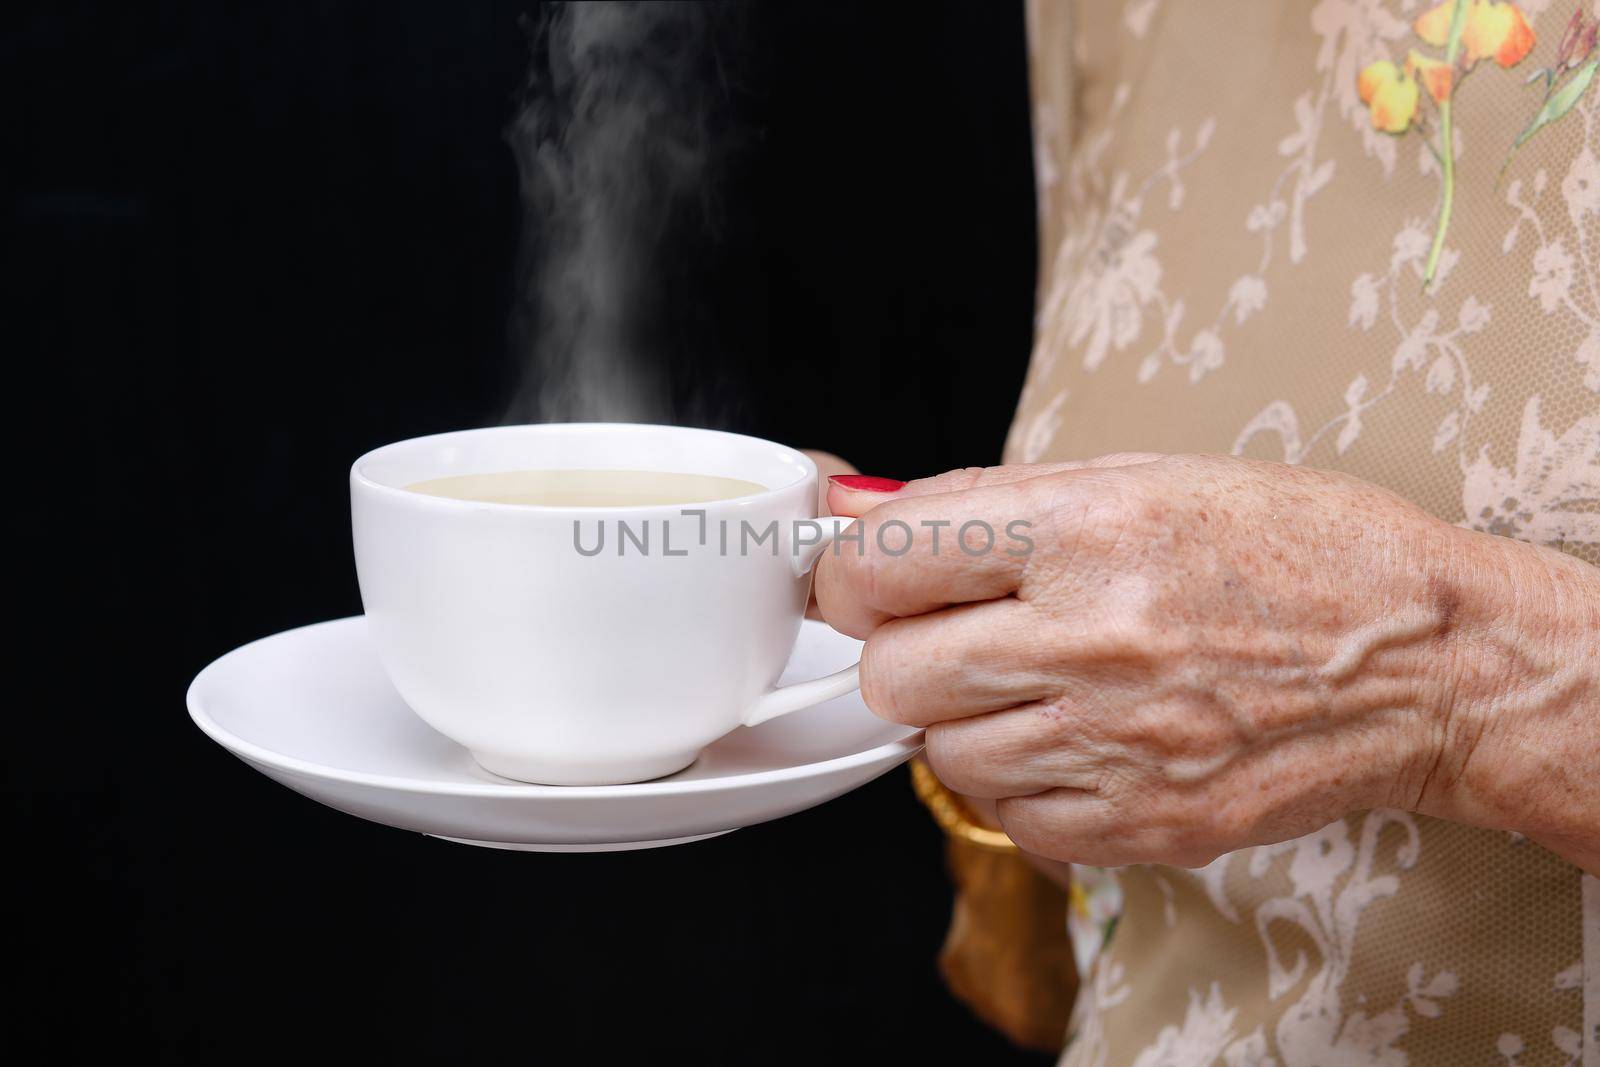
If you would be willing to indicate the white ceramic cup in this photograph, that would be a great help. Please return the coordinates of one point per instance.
(501, 628)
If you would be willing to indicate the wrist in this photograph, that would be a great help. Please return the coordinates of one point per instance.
(1518, 735)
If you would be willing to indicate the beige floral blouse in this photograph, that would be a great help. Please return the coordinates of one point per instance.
(1361, 235)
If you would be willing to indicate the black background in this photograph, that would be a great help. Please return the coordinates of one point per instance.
(244, 244)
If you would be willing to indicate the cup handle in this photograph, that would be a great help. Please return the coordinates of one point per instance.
(783, 699)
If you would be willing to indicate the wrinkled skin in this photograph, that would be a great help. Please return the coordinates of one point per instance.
(1204, 653)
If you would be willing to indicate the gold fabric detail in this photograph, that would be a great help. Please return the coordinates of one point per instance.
(1007, 956)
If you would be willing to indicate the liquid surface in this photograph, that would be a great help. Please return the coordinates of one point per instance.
(587, 489)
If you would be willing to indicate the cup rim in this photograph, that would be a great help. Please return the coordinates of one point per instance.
(358, 477)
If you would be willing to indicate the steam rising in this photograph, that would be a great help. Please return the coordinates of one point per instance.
(612, 146)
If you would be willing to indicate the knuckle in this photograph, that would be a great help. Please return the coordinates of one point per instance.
(1084, 516)
(1019, 819)
(1156, 817)
(1140, 508)
(1173, 830)
(844, 595)
(1120, 850)
(1125, 459)
(1039, 826)
(825, 585)
(1187, 853)
(1231, 826)
(1192, 854)
(834, 600)
(954, 481)
(945, 754)
(866, 567)
(1191, 831)
(885, 684)
(853, 570)
(1149, 844)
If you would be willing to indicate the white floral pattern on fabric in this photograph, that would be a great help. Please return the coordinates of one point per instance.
(1112, 261)
(1205, 1037)
(1565, 278)
(1317, 1029)
(1549, 494)
(1420, 346)
(1103, 990)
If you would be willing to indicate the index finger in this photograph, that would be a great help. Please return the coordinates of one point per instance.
(954, 539)
(915, 555)
(852, 497)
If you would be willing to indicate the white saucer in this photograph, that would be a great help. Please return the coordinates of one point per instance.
(312, 710)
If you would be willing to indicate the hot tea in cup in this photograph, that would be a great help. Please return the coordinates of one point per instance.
(587, 489)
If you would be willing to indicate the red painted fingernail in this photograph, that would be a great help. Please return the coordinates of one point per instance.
(866, 483)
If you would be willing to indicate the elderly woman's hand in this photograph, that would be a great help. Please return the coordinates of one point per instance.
(1162, 659)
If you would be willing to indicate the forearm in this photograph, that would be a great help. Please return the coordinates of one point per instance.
(1520, 746)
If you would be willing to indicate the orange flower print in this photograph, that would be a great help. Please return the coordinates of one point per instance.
(1390, 94)
(1433, 25)
(1492, 30)
(1434, 74)
(1467, 30)
(1498, 31)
